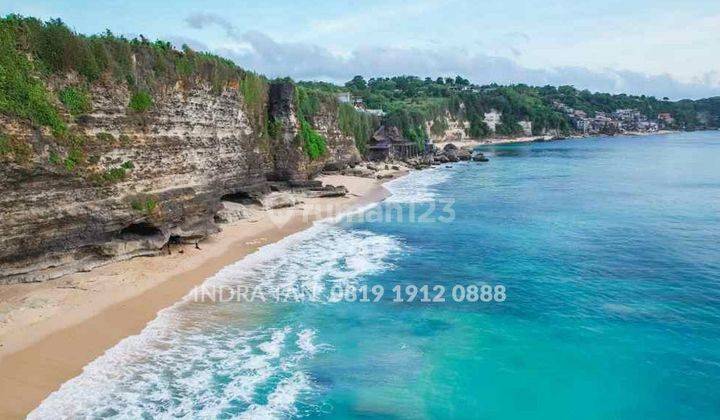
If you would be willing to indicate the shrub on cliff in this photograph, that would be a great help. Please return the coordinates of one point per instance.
(76, 100)
(13, 149)
(141, 101)
(105, 137)
(22, 94)
(314, 144)
(307, 104)
(145, 205)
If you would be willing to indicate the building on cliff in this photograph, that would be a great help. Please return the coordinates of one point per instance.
(358, 104)
(388, 143)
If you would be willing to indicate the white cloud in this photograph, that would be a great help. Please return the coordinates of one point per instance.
(259, 52)
(682, 44)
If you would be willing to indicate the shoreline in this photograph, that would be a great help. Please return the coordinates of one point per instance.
(62, 325)
(93, 311)
(472, 143)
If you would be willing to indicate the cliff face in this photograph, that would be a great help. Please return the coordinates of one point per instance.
(454, 129)
(290, 161)
(457, 128)
(146, 178)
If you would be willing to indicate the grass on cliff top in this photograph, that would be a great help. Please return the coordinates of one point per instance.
(22, 94)
(32, 50)
(139, 62)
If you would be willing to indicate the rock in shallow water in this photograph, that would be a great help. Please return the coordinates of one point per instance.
(479, 157)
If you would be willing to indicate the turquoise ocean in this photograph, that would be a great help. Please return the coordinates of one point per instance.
(608, 250)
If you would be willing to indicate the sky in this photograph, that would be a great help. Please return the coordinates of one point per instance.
(653, 47)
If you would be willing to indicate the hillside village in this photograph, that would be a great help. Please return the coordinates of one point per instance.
(620, 121)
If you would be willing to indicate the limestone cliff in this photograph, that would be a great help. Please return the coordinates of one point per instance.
(457, 128)
(450, 129)
(125, 183)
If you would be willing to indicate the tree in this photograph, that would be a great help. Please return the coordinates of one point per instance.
(461, 82)
(357, 83)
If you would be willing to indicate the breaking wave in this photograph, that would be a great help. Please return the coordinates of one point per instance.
(204, 360)
(418, 186)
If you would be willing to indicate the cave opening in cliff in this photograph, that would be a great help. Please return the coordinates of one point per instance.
(241, 197)
(141, 229)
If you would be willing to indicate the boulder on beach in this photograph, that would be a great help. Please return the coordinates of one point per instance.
(327, 191)
(232, 212)
(359, 171)
(278, 200)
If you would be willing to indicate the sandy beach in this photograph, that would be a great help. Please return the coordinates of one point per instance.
(49, 331)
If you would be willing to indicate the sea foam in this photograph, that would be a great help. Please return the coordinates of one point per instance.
(201, 360)
(417, 187)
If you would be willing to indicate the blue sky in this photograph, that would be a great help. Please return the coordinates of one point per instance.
(660, 47)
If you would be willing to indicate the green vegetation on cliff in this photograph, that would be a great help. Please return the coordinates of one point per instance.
(314, 144)
(31, 51)
(411, 102)
(307, 103)
(254, 89)
(358, 125)
(75, 99)
(58, 50)
(144, 204)
(14, 150)
(312, 96)
(21, 94)
(47, 72)
(141, 101)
